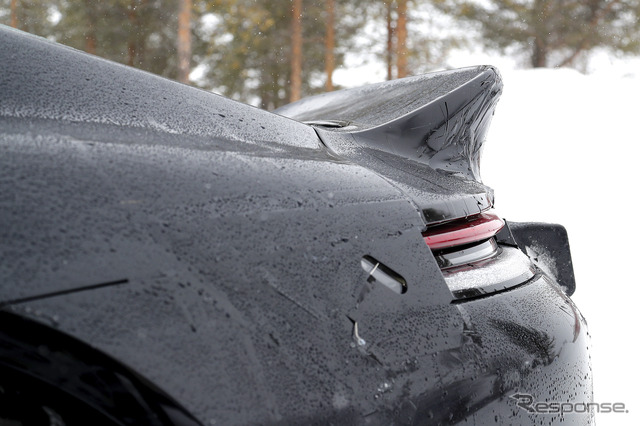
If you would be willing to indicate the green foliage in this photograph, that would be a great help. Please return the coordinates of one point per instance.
(551, 32)
(245, 45)
(140, 33)
(250, 48)
(33, 16)
(430, 38)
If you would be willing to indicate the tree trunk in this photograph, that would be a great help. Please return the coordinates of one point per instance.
(540, 53)
(389, 4)
(329, 44)
(296, 51)
(133, 29)
(184, 41)
(90, 41)
(542, 33)
(401, 40)
(14, 13)
(141, 35)
(594, 22)
(265, 98)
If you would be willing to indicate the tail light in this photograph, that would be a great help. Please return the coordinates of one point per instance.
(472, 262)
(462, 232)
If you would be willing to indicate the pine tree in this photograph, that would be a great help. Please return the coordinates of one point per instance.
(14, 13)
(390, 46)
(295, 87)
(414, 40)
(402, 50)
(329, 44)
(33, 16)
(251, 55)
(184, 41)
(552, 32)
(139, 33)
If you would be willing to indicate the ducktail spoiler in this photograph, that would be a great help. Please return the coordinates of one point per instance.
(424, 133)
(439, 119)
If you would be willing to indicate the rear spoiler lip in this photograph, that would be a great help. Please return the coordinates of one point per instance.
(437, 140)
(443, 142)
(445, 132)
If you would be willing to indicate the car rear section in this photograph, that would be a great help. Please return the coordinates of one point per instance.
(509, 281)
(173, 257)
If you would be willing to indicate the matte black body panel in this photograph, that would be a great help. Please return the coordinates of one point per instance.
(214, 249)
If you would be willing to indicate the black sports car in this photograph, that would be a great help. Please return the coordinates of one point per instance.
(169, 256)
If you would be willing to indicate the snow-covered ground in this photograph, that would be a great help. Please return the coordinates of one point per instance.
(564, 148)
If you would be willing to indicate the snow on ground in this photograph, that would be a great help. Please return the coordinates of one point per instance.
(564, 148)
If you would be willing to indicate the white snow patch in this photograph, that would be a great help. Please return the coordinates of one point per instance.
(564, 148)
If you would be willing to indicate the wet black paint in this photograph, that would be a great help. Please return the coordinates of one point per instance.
(241, 234)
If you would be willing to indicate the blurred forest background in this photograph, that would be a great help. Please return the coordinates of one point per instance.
(271, 52)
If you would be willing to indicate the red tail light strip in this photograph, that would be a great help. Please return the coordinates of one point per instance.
(469, 230)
